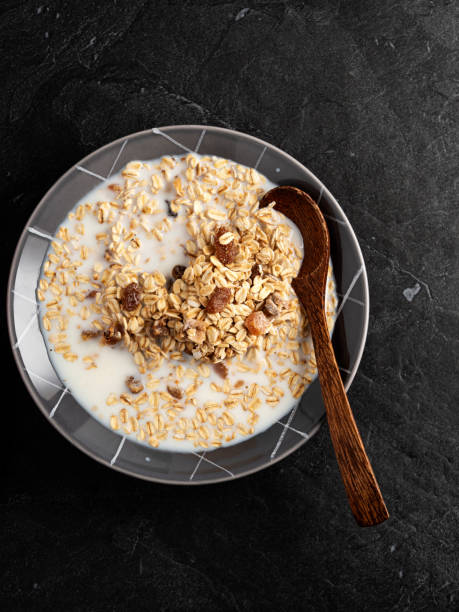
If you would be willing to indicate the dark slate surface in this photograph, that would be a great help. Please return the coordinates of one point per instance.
(362, 93)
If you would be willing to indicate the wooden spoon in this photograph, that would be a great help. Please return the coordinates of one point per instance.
(363, 492)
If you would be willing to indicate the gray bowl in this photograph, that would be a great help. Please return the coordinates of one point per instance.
(72, 420)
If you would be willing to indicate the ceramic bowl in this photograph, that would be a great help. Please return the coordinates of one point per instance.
(72, 420)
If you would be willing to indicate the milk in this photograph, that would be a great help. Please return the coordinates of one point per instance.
(91, 387)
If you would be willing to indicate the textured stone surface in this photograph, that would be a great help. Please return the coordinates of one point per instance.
(362, 93)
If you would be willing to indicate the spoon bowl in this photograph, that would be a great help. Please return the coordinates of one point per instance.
(295, 204)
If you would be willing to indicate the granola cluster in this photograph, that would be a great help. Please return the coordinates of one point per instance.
(233, 295)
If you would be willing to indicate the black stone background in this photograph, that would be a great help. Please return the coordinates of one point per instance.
(363, 94)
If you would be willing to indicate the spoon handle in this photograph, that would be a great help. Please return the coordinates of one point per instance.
(362, 489)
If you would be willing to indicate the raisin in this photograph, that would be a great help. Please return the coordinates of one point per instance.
(218, 300)
(170, 212)
(177, 272)
(159, 328)
(86, 334)
(130, 297)
(226, 253)
(257, 323)
(175, 392)
(238, 384)
(134, 385)
(92, 294)
(221, 369)
(113, 334)
(270, 308)
(257, 270)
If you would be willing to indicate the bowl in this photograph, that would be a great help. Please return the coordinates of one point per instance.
(56, 401)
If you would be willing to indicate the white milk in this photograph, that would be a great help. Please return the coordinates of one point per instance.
(91, 387)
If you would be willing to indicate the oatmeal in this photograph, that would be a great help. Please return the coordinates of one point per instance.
(167, 306)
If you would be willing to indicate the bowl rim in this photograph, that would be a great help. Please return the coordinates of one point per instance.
(12, 276)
